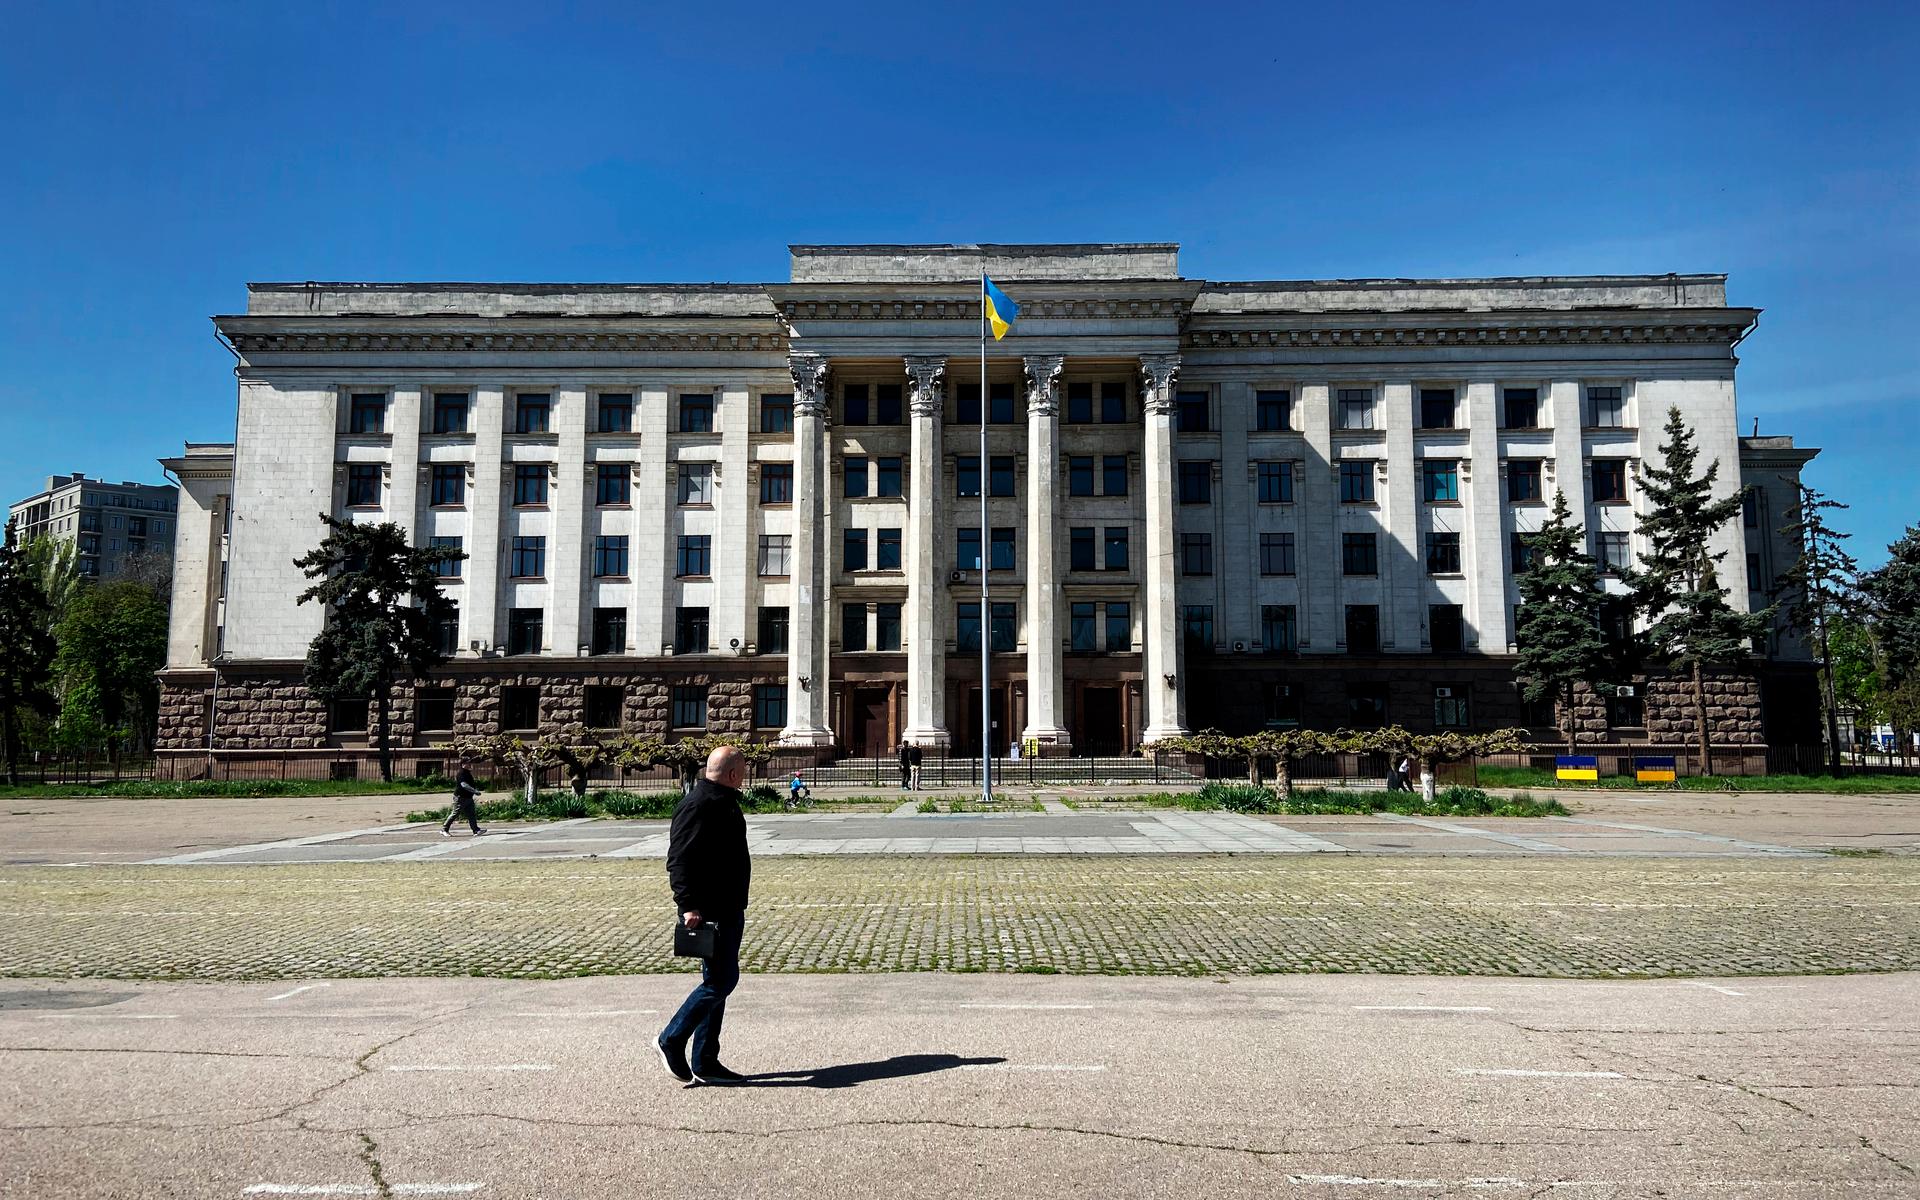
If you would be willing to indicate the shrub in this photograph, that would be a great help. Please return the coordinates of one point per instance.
(927, 806)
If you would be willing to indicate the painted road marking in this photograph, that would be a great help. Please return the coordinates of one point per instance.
(285, 844)
(1514, 1073)
(361, 1189)
(1027, 1006)
(497, 1067)
(1505, 839)
(1714, 987)
(609, 1012)
(1484, 1183)
(1422, 1008)
(295, 992)
(106, 1017)
(1736, 843)
(1031, 1067)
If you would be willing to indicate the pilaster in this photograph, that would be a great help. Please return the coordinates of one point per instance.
(1165, 683)
(481, 618)
(806, 624)
(566, 544)
(926, 640)
(1044, 660)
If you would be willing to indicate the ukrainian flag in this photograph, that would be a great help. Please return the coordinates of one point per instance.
(1001, 311)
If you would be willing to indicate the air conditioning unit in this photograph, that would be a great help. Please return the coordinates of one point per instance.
(1624, 691)
(1283, 689)
(956, 576)
(1443, 693)
(1239, 647)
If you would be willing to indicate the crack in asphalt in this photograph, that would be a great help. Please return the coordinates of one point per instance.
(370, 1156)
(1866, 1143)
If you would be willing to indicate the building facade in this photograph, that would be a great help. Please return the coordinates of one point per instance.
(116, 529)
(757, 508)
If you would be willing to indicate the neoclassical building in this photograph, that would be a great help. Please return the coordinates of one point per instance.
(757, 508)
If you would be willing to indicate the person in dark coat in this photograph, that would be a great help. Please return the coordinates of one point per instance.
(466, 798)
(906, 765)
(913, 762)
(709, 870)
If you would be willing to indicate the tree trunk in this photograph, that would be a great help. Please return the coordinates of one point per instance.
(383, 704)
(1700, 719)
(1253, 769)
(1827, 698)
(1429, 789)
(1573, 725)
(1283, 775)
(10, 744)
(533, 781)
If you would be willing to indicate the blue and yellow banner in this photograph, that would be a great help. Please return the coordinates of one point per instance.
(1577, 766)
(1654, 768)
(1001, 311)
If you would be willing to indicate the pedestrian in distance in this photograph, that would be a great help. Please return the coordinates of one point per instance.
(466, 802)
(913, 761)
(798, 792)
(905, 755)
(709, 869)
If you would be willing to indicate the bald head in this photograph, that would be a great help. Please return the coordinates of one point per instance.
(726, 766)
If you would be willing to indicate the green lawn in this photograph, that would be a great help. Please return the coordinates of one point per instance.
(182, 789)
(1847, 785)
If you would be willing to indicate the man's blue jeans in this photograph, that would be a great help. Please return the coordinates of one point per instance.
(706, 1006)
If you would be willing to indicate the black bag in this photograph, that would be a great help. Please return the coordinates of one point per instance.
(692, 943)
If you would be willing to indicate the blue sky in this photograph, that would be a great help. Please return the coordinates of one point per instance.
(156, 159)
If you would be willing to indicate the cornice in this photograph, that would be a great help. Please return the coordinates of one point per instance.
(1718, 326)
(589, 334)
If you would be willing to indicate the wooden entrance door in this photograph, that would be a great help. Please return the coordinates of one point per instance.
(868, 730)
(1102, 725)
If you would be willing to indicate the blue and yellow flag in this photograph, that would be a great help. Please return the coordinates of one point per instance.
(1001, 312)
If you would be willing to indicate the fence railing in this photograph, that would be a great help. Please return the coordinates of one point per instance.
(49, 769)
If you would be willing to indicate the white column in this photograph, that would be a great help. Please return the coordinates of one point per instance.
(736, 543)
(926, 639)
(486, 551)
(567, 497)
(1489, 628)
(1044, 669)
(651, 551)
(1166, 702)
(403, 470)
(806, 620)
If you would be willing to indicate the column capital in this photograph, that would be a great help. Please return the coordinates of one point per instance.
(1043, 383)
(809, 373)
(925, 374)
(1158, 374)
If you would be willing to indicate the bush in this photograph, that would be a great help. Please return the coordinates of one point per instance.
(1232, 797)
(1448, 802)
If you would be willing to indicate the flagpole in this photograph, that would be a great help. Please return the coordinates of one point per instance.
(986, 542)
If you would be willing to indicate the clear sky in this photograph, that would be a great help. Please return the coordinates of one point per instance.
(155, 158)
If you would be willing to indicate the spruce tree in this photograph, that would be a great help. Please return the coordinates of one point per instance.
(1818, 590)
(1558, 626)
(26, 651)
(383, 603)
(1692, 627)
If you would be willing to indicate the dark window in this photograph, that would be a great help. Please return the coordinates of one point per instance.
(1356, 482)
(1523, 480)
(446, 631)
(1114, 546)
(1000, 475)
(1625, 712)
(604, 706)
(530, 484)
(853, 550)
(1119, 626)
(1000, 404)
(966, 474)
(449, 412)
(887, 481)
(1754, 582)
(1191, 413)
(776, 483)
(966, 626)
(1537, 714)
(1606, 408)
(693, 558)
(367, 413)
(616, 412)
(689, 706)
(433, 710)
(520, 708)
(1275, 480)
(690, 630)
(966, 549)
(776, 413)
(696, 483)
(1196, 482)
(853, 475)
(1279, 631)
(1750, 505)
(1003, 628)
(1081, 556)
(1079, 403)
(613, 484)
(853, 627)
(1080, 475)
(1276, 554)
(1366, 705)
(1082, 630)
(1283, 706)
(887, 550)
(1616, 618)
(696, 412)
(448, 568)
(769, 705)
(609, 631)
(1523, 555)
(1356, 408)
(347, 716)
(1609, 480)
(1613, 553)
(529, 558)
(1196, 554)
(532, 412)
(776, 554)
(1113, 402)
(1446, 630)
(1522, 408)
(966, 409)
(1363, 628)
(363, 485)
(526, 630)
(773, 631)
(1196, 628)
(886, 627)
(1443, 553)
(886, 404)
(1450, 706)
(1440, 482)
(854, 408)
(610, 555)
(1003, 556)
(1113, 475)
(1273, 410)
(1359, 554)
(1436, 408)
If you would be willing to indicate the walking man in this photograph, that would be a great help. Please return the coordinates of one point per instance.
(709, 869)
(906, 765)
(913, 762)
(466, 797)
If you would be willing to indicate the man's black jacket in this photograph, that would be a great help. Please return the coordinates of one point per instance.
(707, 861)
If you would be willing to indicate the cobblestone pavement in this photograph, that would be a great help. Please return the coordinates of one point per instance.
(1567, 916)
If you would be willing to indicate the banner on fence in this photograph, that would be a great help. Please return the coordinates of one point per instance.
(1576, 766)
(1654, 768)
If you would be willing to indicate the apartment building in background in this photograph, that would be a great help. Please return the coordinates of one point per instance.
(115, 528)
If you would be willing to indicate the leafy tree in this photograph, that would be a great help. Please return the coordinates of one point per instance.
(510, 752)
(1677, 584)
(383, 602)
(55, 563)
(113, 642)
(1429, 750)
(1893, 594)
(1856, 676)
(686, 756)
(1558, 629)
(26, 652)
(1818, 590)
(1282, 746)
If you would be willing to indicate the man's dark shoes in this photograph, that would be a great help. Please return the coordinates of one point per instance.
(717, 1072)
(674, 1059)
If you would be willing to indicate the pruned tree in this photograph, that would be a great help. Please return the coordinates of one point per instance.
(1818, 590)
(510, 752)
(1429, 750)
(686, 756)
(1282, 746)
(26, 652)
(577, 750)
(1558, 632)
(383, 604)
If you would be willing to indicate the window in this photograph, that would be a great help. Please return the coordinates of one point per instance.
(530, 484)
(1443, 553)
(886, 404)
(887, 483)
(853, 550)
(532, 412)
(1276, 554)
(446, 631)
(966, 626)
(1191, 415)
(1754, 582)
(1082, 631)
(367, 413)
(1440, 482)
(1521, 408)
(613, 484)
(610, 556)
(966, 475)
(1196, 554)
(1523, 480)
(1356, 482)
(1355, 408)
(769, 705)
(1119, 627)
(1625, 712)
(696, 412)
(433, 710)
(450, 412)
(853, 627)
(776, 554)
(1606, 408)
(693, 557)
(1537, 714)
(1446, 629)
(1113, 402)
(609, 631)
(1363, 628)
(1196, 628)
(886, 627)
(1079, 403)
(1001, 553)
(616, 412)
(1279, 631)
(696, 483)
(1359, 554)
(1436, 408)
(1115, 547)
(347, 716)
(1366, 705)
(1609, 480)
(967, 405)
(528, 559)
(520, 708)
(526, 630)
(1000, 404)
(853, 478)
(447, 568)
(854, 407)
(776, 483)
(604, 706)
(772, 630)
(966, 550)
(1273, 410)
(887, 550)
(1616, 618)
(1081, 556)
(776, 413)
(363, 485)
(1612, 553)
(1750, 504)
(1275, 482)
(689, 706)
(1196, 482)
(690, 629)
(1523, 555)
(1000, 475)
(1113, 475)
(1080, 475)
(1283, 706)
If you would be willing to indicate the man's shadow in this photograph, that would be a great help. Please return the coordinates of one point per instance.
(846, 1075)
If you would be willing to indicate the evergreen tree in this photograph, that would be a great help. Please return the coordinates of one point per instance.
(383, 603)
(1818, 590)
(26, 652)
(113, 642)
(1677, 584)
(1558, 626)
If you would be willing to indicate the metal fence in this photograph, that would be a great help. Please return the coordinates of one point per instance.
(49, 769)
